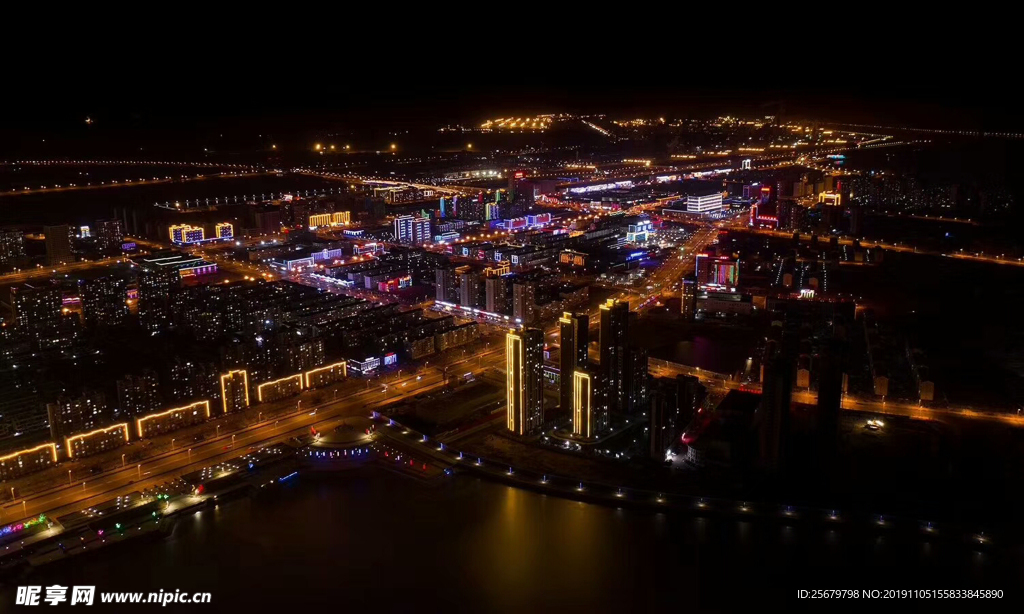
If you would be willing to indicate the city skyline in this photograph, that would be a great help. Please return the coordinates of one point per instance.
(520, 331)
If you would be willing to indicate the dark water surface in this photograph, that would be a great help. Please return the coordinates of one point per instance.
(373, 541)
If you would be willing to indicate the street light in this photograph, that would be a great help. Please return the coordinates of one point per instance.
(124, 463)
(69, 477)
(190, 455)
(139, 467)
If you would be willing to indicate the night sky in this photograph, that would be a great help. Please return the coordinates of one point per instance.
(136, 97)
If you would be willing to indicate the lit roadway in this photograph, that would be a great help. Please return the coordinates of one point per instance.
(362, 179)
(150, 472)
(127, 183)
(740, 224)
(722, 382)
(19, 276)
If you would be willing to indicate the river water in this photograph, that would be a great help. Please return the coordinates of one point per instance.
(367, 540)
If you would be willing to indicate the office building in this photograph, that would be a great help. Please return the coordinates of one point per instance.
(58, 244)
(710, 203)
(524, 369)
(574, 337)
(612, 344)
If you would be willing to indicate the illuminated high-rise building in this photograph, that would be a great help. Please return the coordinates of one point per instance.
(12, 245)
(138, 395)
(412, 230)
(574, 336)
(37, 308)
(497, 294)
(71, 415)
(689, 302)
(710, 203)
(524, 369)
(589, 408)
(111, 235)
(58, 244)
(612, 343)
(721, 271)
(155, 288)
(186, 233)
(190, 380)
(104, 301)
(635, 381)
(471, 290)
(524, 301)
(446, 284)
(234, 390)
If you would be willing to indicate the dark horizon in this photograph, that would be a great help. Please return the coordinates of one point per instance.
(149, 116)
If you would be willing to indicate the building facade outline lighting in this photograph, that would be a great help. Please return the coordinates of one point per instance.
(80, 436)
(141, 419)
